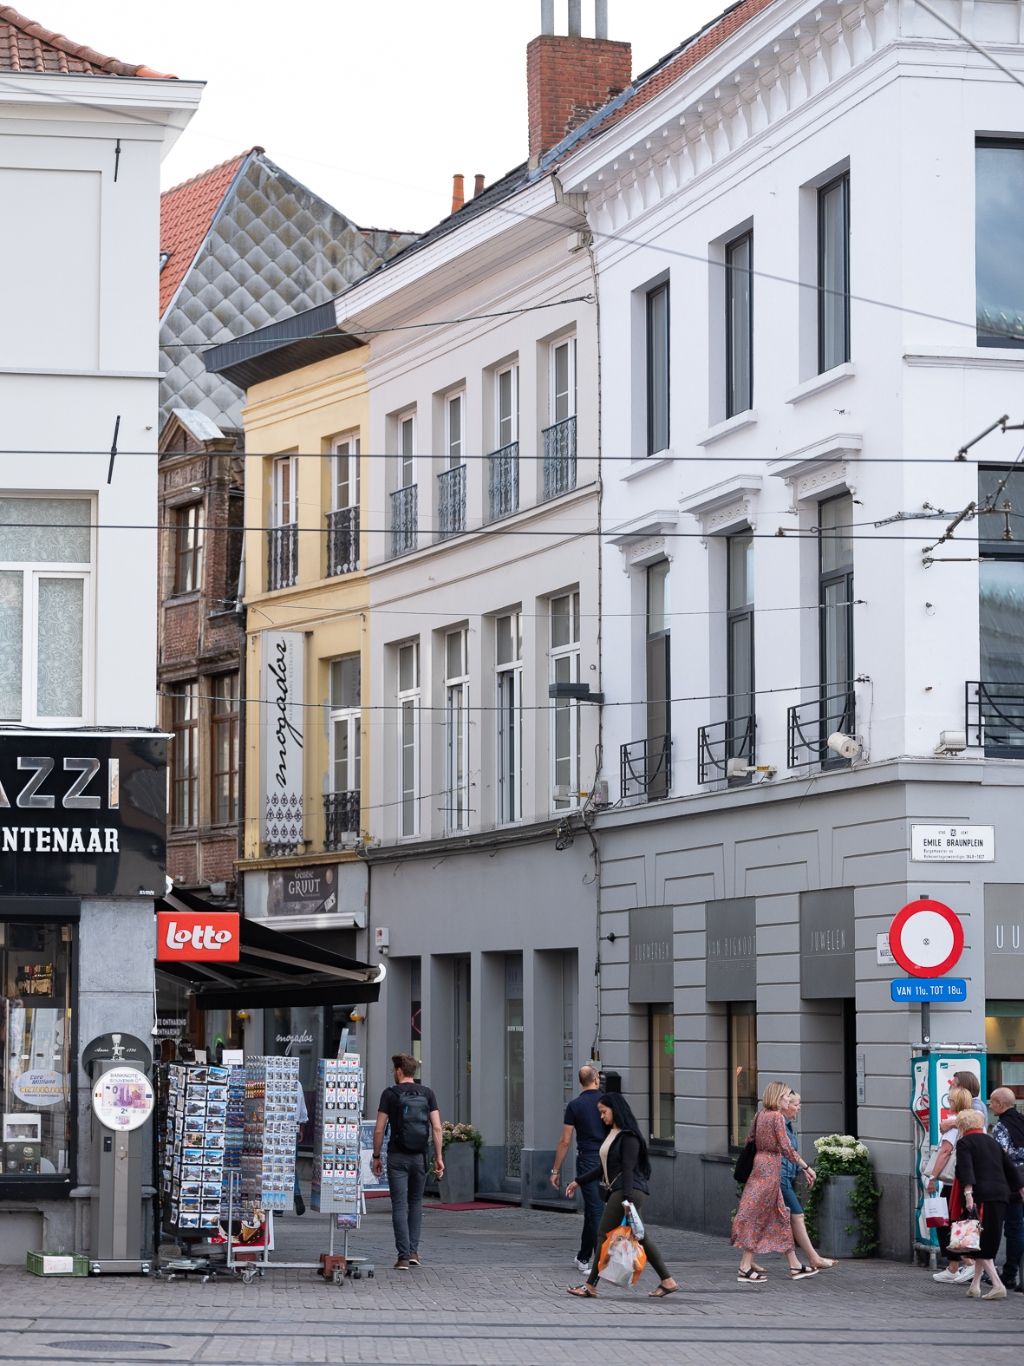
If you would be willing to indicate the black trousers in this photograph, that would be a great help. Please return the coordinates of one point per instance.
(612, 1218)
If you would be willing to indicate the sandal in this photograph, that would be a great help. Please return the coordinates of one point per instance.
(827, 1263)
(660, 1291)
(754, 1267)
(752, 1276)
(582, 1292)
(800, 1273)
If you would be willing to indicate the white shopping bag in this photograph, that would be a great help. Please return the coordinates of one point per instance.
(635, 1222)
(935, 1211)
(621, 1263)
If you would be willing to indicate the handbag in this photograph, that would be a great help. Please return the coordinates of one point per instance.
(936, 1211)
(965, 1235)
(622, 1258)
(745, 1162)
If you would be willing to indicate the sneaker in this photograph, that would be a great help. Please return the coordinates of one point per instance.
(963, 1275)
(582, 1266)
(402, 1264)
(946, 1277)
(414, 1259)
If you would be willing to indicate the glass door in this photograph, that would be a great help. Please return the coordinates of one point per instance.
(463, 1041)
(515, 1081)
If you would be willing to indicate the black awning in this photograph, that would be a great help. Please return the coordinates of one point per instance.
(273, 969)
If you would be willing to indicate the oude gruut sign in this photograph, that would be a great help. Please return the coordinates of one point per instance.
(82, 814)
(282, 723)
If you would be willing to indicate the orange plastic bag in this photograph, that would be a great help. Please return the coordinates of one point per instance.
(622, 1259)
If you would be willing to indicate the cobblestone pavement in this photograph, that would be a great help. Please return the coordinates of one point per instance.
(492, 1293)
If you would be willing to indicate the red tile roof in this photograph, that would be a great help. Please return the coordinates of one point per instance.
(186, 215)
(26, 46)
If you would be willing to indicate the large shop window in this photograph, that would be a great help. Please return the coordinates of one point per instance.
(46, 554)
(742, 1070)
(661, 1054)
(997, 722)
(307, 1033)
(1004, 1039)
(999, 241)
(36, 1022)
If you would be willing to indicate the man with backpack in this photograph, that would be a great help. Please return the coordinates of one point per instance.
(410, 1111)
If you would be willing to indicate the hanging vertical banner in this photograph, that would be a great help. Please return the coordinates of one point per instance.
(282, 726)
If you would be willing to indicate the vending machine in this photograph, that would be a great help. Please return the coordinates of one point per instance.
(931, 1077)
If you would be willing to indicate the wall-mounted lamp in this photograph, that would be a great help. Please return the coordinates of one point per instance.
(845, 746)
(573, 692)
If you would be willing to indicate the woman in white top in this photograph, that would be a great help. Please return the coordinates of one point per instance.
(959, 1269)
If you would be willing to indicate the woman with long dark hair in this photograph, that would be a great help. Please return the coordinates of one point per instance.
(624, 1170)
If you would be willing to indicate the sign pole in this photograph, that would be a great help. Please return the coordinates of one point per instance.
(926, 1026)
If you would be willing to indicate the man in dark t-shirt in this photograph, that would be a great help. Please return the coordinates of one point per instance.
(581, 1118)
(415, 1128)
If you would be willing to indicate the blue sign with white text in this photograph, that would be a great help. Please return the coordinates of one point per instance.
(928, 989)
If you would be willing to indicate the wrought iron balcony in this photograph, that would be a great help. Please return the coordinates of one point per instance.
(645, 769)
(282, 556)
(451, 502)
(342, 541)
(403, 520)
(341, 817)
(718, 744)
(560, 457)
(809, 724)
(503, 481)
(995, 718)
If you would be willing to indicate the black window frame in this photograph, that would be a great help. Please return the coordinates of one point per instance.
(991, 144)
(656, 293)
(733, 405)
(826, 580)
(736, 616)
(657, 1141)
(841, 181)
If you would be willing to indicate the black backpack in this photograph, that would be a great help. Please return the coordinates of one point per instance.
(410, 1126)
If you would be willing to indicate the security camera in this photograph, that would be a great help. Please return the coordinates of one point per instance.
(845, 746)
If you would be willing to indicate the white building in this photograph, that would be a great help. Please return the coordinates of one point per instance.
(81, 140)
(806, 225)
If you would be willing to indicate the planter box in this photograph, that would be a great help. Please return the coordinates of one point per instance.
(838, 1229)
(458, 1185)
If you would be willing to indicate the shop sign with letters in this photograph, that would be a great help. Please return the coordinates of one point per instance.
(197, 937)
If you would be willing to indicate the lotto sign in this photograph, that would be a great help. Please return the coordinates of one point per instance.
(197, 937)
(926, 938)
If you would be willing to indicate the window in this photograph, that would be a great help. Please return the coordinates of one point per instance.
(657, 370)
(344, 724)
(408, 735)
(835, 614)
(345, 473)
(508, 637)
(185, 755)
(507, 406)
(343, 519)
(456, 686)
(742, 1070)
(188, 552)
(282, 536)
(565, 713)
(45, 610)
(740, 645)
(451, 483)
(35, 960)
(224, 747)
(283, 491)
(739, 325)
(999, 242)
(659, 681)
(403, 499)
(563, 380)
(661, 1072)
(834, 273)
(1000, 710)
(407, 452)
(453, 410)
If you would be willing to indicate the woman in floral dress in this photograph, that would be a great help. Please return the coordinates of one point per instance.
(762, 1222)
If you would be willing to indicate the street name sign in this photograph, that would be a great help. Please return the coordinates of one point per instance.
(952, 843)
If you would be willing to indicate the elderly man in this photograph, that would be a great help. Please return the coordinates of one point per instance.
(1008, 1132)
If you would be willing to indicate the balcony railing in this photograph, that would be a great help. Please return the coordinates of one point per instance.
(341, 817)
(282, 556)
(645, 769)
(995, 718)
(809, 724)
(560, 457)
(451, 502)
(342, 541)
(722, 742)
(403, 520)
(503, 481)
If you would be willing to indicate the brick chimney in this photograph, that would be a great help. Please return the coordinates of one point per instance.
(568, 78)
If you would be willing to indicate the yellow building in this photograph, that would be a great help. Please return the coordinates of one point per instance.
(306, 600)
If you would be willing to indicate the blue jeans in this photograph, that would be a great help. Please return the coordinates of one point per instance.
(1014, 1230)
(407, 1175)
(593, 1205)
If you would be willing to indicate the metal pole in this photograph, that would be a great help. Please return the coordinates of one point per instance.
(926, 1026)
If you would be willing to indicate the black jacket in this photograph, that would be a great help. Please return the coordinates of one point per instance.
(981, 1163)
(622, 1173)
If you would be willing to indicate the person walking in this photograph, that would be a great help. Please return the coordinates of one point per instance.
(790, 1110)
(410, 1111)
(958, 1270)
(762, 1222)
(1008, 1132)
(624, 1169)
(989, 1181)
(582, 1119)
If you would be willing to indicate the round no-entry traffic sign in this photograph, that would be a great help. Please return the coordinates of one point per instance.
(926, 938)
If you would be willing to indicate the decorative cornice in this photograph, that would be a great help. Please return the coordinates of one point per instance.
(726, 506)
(643, 539)
(819, 468)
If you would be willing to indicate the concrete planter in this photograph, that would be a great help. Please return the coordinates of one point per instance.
(838, 1231)
(458, 1185)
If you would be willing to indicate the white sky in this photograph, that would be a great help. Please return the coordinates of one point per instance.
(372, 105)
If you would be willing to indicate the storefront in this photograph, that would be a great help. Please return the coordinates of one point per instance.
(82, 820)
(1004, 985)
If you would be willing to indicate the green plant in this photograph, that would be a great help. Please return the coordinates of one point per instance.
(460, 1133)
(843, 1155)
